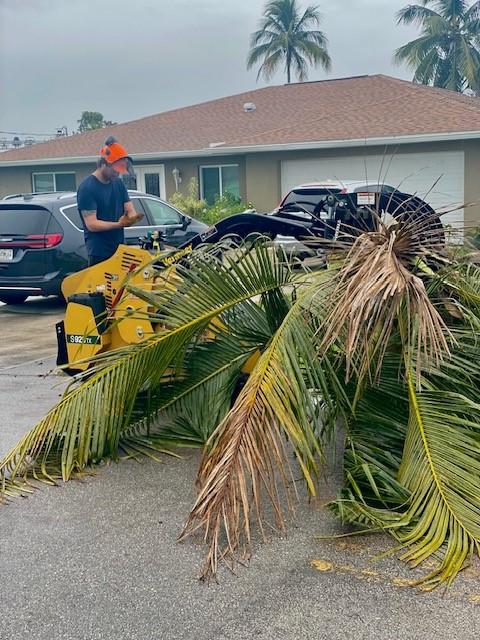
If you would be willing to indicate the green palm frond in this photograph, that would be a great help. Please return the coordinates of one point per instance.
(446, 53)
(375, 436)
(86, 425)
(441, 467)
(415, 14)
(271, 54)
(415, 52)
(463, 280)
(270, 64)
(427, 67)
(314, 52)
(195, 397)
(189, 402)
(299, 65)
(312, 37)
(430, 501)
(194, 415)
(263, 37)
(473, 13)
(199, 391)
(311, 16)
(470, 63)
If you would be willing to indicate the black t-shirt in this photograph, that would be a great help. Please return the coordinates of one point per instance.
(108, 201)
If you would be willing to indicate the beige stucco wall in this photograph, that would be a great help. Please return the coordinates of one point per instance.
(263, 178)
(472, 182)
(19, 179)
(260, 173)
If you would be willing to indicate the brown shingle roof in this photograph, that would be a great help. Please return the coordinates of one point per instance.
(347, 109)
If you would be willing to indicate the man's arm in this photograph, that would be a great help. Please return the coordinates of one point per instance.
(94, 224)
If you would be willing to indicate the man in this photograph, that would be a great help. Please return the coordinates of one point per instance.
(104, 204)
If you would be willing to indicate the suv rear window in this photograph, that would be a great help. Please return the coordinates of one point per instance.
(25, 221)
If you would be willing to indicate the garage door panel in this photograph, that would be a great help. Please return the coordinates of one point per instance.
(436, 177)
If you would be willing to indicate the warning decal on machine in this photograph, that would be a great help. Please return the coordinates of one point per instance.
(365, 198)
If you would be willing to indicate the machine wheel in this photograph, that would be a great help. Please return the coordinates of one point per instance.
(12, 298)
(403, 207)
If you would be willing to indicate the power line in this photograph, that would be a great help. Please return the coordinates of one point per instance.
(22, 133)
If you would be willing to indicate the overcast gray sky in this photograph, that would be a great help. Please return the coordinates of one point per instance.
(131, 58)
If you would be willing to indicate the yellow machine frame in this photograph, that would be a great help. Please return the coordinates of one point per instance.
(122, 318)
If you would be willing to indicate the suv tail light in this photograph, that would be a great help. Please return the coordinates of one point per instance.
(37, 241)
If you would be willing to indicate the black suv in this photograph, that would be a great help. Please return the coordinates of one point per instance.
(41, 239)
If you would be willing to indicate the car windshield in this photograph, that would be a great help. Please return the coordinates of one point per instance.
(307, 198)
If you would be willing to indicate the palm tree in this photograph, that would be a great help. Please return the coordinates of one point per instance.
(285, 36)
(256, 360)
(447, 53)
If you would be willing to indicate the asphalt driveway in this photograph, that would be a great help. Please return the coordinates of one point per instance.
(98, 559)
(28, 330)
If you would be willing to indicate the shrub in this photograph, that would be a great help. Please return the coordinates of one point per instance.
(224, 206)
(189, 202)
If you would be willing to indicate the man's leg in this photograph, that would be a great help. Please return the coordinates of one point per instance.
(95, 260)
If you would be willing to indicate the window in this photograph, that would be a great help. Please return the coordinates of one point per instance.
(218, 181)
(137, 205)
(72, 213)
(148, 181)
(61, 181)
(151, 179)
(152, 184)
(161, 213)
(129, 181)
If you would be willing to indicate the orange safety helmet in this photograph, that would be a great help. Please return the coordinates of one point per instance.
(113, 153)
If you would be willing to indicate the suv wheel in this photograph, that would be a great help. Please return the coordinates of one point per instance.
(12, 298)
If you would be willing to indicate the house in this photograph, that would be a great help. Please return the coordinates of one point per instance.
(260, 143)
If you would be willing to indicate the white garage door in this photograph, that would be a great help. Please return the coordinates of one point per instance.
(414, 173)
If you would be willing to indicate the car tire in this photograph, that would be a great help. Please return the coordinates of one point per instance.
(12, 298)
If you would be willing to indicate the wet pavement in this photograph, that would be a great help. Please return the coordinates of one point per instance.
(98, 558)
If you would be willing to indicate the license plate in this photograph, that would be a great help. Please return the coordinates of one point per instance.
(6, 255)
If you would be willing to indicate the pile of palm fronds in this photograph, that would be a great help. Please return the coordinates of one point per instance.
(384, 340)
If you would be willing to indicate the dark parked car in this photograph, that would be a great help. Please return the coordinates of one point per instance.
(41, 239)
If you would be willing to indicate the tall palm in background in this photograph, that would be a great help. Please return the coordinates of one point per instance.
(447, 53)
(286, 37)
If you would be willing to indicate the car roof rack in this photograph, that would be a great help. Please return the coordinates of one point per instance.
(32, 194)
(12, 195)
(28, 194)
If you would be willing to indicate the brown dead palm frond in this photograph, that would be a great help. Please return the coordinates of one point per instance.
(245, 473)
(379, 278)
